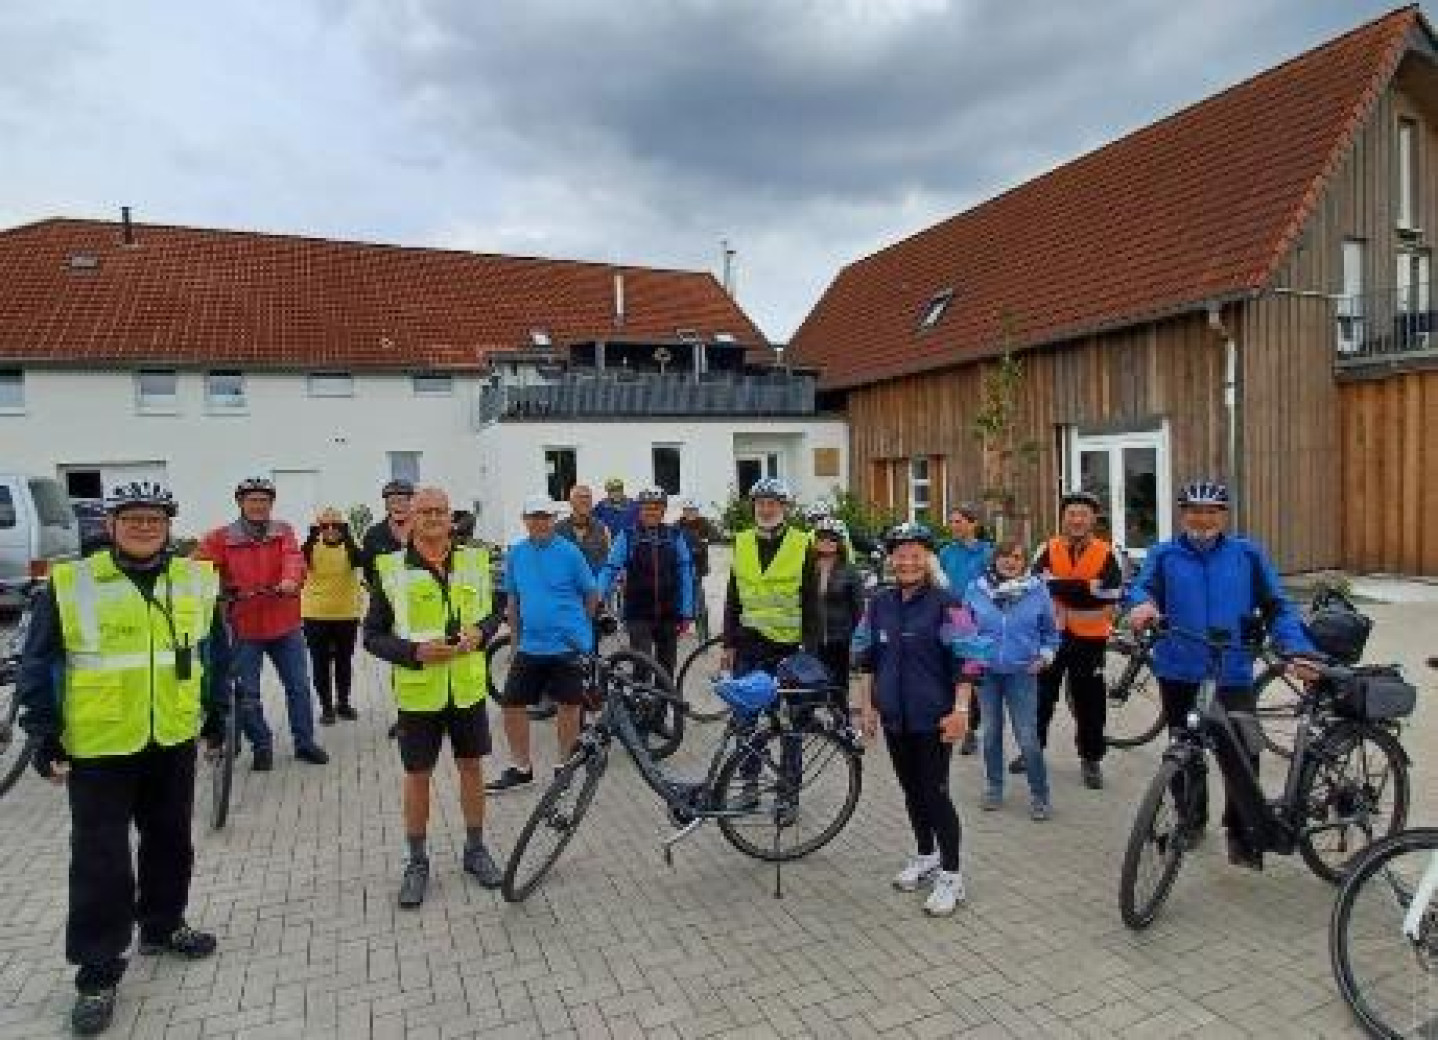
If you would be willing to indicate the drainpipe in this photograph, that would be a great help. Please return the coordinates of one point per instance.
(1233, 407)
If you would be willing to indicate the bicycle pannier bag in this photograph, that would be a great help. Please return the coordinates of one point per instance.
(1376, 693)
(1340, 633)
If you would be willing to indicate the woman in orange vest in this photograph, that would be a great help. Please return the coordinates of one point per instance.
(1086, 583)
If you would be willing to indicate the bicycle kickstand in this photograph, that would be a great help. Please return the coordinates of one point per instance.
(674, 839)
(778, 865)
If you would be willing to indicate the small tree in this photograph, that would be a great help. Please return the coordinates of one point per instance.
(360, 518)
(1008, 454)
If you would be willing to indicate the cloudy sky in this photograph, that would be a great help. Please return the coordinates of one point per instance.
(806, 132)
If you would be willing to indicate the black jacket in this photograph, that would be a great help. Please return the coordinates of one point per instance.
(830, 618)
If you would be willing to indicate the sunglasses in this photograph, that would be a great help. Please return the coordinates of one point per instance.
(332, 527)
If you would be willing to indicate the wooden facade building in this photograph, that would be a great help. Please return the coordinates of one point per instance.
(1240, 291)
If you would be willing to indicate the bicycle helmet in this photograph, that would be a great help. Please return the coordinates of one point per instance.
(1204, 493)
(689, 502)
(250, 485)
(830, 525)
(138, 493)
(909, 532)
(651, 494)
(771, 487)
(396, 487)
(816, 511)
(1081, 498)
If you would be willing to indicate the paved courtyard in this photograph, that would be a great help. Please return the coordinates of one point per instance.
(300, 889)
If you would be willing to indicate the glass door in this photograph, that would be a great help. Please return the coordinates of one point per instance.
(1129, 473)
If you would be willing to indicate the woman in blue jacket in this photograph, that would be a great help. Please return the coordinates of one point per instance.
(1203, 580)
(1015, 616)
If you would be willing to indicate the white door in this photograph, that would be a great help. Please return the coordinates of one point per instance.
(1129, 472)
(297, 498)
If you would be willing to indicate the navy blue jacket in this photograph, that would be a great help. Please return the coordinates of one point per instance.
(1215, 588)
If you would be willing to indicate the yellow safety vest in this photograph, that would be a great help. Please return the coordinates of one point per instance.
(770, 600)
(420, 614)
(120, 686)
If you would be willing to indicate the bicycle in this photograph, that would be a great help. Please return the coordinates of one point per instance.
(12, 768)
(1330, 790)
(809, 787)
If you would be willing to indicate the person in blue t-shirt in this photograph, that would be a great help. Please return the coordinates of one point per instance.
(964, 560)
(552, 601)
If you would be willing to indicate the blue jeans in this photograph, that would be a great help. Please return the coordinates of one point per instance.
(1020, 691)
(289, 656)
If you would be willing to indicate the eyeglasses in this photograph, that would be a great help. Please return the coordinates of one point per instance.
(431, 512)
(141, 521)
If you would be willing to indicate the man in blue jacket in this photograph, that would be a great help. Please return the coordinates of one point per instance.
(1207, 579)
(652, 559)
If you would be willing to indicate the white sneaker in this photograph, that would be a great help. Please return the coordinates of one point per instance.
(948, 893)
(918, 871)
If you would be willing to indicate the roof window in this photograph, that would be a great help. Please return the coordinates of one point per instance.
(934, 312)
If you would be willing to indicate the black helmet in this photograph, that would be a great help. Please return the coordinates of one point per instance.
(396, 487)
(1080, 498)
(909, 532)
(140, 493)
(1204, 493)
(250, 485)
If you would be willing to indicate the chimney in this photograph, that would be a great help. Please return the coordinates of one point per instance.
(619, 299)
(127, 230)
(728, 281)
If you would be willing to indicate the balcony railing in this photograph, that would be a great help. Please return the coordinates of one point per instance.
(1391, 325)
(645, 395)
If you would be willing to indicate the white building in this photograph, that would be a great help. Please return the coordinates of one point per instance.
(200, 357)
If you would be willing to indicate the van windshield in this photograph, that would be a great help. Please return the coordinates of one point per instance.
(52, 504)
(7, 508)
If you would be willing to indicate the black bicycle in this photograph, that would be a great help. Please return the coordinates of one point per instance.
(15, 750)
(1347, 781)
(782, 782)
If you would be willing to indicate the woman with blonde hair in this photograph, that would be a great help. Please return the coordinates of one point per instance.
(330, 606)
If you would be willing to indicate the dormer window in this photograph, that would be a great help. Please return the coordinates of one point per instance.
(934, 312)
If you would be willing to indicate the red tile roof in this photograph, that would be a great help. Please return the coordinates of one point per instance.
(194, 296)
(1200, 206)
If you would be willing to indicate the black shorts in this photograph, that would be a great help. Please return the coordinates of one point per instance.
(422, 732)
(532, 677)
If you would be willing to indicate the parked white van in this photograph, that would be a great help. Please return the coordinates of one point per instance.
(37, 528)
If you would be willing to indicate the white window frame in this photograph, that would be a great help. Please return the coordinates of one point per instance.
(15, 406)
(403, 472)
(161, 404)
(442, 384)
(1407, 163)
(919, 484)
(330, 384)
(238, 404)
(1114, 444)
(544, 453)
(1352, 329)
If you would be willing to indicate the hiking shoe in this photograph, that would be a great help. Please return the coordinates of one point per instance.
(414, 883)
(969, 744)
(93, 1012)
(991, 800)
(948, 893)
(918, 871)
(511, 779)
(1039, 811)
(314, 755)
(1018, 766)
(184, 941)
(347, 713)
(264, 760)
(327, 717)
(1092, 775)
(478, 862)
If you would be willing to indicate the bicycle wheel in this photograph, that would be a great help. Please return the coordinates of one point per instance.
(222, 770)
(497, 656)
(1279, 697)
(1384, 953)
(659, 719)
(554, 821)
(1162, 831)
(15, 750)
(802, 795)
(1352, 792)
(1135, 710)
(696, 682)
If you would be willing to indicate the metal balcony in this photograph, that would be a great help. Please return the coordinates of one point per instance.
(1392, 325)
(649, 395)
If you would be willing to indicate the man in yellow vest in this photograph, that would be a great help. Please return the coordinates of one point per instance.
(123, 667)
(431, 614)
(1085, 580)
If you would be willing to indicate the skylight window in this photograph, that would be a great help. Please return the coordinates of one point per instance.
(934, 312)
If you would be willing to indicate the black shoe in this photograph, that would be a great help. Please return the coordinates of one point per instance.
(545, 709)
(313, 754)
(93, 1012)
(1241, 854)
(509, 780)
(1018, 766)
(970, 743)
(264, 760)
(478, 862)
(1092, 776)
(184, 941)
(414, 883)
(347, 713)
(327, 717)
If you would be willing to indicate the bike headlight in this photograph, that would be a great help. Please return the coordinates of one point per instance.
(1193, 720)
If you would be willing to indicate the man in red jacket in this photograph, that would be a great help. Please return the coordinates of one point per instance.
(261, 569)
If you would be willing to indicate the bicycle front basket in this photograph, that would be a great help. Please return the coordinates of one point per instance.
(1375, 693)
(748, 695)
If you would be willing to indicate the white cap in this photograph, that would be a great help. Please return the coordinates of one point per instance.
(539, 504)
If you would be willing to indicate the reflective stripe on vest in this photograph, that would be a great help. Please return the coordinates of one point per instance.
(1084, 622)
(418, 604)
(770, 600)
(120, 688)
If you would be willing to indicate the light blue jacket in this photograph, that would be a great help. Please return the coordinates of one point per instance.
(964, 564)
(1019, 632)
